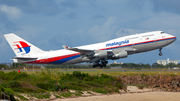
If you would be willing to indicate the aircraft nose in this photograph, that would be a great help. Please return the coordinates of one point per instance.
(174, 38)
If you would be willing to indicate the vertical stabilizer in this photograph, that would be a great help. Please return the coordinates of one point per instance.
(21, 47)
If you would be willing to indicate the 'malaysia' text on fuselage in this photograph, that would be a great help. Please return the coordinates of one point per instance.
(117, 43)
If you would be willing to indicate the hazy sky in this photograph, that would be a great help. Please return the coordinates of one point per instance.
(49, 24)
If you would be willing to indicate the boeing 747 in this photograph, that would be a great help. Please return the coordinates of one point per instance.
(98, 53)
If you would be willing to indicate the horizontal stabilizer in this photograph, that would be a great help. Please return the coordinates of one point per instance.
(25, 58)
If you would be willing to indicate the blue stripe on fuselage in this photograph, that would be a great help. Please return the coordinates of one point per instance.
(64, 60)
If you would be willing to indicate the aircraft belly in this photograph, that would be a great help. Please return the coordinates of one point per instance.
(162, 43)
(144, 47)
(150, 46)
(73, 61)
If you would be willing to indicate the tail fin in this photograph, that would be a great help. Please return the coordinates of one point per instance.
(21, 47)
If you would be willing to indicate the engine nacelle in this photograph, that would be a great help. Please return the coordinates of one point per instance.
(85, 59)
(122, 54)
(100, 54)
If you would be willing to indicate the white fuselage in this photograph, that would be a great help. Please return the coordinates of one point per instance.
(138, 42)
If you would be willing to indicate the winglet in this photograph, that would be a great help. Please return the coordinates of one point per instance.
(66, 47)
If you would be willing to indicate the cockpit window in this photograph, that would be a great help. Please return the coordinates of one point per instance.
(162, 32)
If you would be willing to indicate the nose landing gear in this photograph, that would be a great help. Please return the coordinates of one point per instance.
(160, 54)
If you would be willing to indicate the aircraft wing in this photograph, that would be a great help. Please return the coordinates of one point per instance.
(82, 51)
(91, 52)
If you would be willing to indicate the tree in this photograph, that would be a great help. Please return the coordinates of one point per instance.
(171, 65)
(154, 65)
(3, 66)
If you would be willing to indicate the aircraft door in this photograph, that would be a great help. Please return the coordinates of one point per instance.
(140, 37)
(156, 37)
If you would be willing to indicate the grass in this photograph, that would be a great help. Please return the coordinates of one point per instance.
(57, 96)
(89, 92)
(101, 91)
(40, 84)
(21, 97)
(118, 72)
(40, 95)
(66, 94)
(113, 73)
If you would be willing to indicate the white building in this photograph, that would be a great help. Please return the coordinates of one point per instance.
(115, 62)
(165, 62)
(162, 62)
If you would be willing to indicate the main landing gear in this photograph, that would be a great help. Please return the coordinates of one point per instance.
(103, 64)
(160, 54)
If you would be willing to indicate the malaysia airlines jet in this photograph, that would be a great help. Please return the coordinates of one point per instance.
(98, 53)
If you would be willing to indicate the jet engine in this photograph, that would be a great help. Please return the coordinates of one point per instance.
(100, 54)
(121, 54)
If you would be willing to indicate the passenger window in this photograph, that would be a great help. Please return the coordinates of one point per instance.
(132, 38)
(148, 35)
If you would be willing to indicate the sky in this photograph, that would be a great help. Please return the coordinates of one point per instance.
(49, 24)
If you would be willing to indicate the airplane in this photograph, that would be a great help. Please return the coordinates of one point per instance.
(98, 53)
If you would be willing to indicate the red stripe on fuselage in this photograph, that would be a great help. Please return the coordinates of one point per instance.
(49, 60)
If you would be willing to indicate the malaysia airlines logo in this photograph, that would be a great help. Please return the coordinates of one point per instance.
(117, 43)
(22, 47)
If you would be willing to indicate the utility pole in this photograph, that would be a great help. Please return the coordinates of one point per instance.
(33, 68)
(151, 64)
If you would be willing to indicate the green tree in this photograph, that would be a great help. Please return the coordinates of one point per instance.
(3, 66)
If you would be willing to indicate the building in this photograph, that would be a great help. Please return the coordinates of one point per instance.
(162, 62)
(165, 62)
(115, 62)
